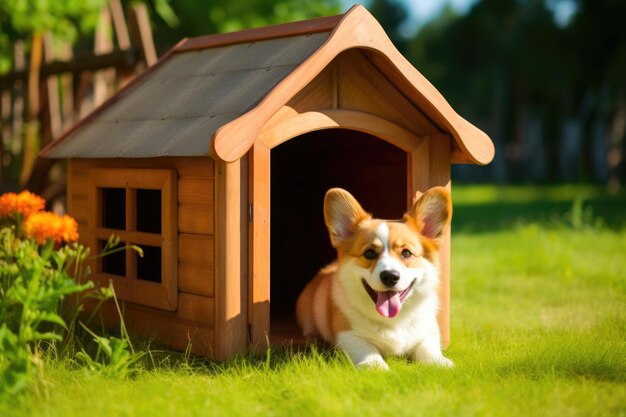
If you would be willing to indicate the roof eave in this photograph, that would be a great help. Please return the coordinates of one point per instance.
(357, 29)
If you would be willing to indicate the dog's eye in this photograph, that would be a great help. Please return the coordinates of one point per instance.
(406, 253)
(370, 254)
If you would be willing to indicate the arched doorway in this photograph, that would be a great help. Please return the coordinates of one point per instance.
(302, 170)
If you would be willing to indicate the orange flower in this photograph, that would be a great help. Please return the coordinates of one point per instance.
(24, 203)
(44, 226)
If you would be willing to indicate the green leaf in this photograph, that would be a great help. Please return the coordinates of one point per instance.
(52, 318)
(46, 336)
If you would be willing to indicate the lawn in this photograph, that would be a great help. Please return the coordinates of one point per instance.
(538, 329)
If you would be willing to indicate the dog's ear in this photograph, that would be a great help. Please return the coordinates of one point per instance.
(342, 214)
(432, 212)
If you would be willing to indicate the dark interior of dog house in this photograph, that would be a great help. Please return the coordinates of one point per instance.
(302, 170)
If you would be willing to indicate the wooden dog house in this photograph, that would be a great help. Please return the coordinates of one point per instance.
(182, 160)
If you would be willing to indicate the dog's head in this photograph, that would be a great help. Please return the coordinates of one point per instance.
(383, 263)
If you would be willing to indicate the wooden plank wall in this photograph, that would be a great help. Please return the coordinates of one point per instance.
(352, 82)
(194, 320)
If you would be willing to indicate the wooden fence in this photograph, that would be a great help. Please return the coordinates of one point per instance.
(52, 88)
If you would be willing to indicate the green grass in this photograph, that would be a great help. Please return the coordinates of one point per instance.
(538, 329)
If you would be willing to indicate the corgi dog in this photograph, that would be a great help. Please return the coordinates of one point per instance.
(380, 298)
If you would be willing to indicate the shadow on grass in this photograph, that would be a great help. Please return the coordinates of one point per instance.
(595, 355)
(493, 216)
(606, 367)
(319, 355)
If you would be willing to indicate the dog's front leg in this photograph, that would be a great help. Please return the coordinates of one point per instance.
(428, 351)
(362, 353)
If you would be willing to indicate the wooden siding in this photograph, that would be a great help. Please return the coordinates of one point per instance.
(429, 166)
(194, 319)
(170, 328)
(361, 87)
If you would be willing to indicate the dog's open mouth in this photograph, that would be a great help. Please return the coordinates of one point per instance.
(388, 303)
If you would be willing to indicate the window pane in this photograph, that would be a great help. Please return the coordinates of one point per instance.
(115, 263)
(114, 208)
(149, 267)
(149, 211)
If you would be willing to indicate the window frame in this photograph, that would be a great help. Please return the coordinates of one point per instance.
(163, 295)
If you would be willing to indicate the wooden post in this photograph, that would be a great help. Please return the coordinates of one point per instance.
(259, 249)
(5, 128)
(67, 90)
(52, 85)
(123, 38)
(143, 33)
(119, 23)
(18, 97)
(230, 322)
(103, 44)
(29, 149)
(429, 166)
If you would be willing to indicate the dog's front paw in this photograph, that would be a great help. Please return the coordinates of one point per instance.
(438, 361)
(444, 362)
(374, 363)
(432, 358)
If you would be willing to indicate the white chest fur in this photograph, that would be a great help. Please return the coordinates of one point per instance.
(400, 335)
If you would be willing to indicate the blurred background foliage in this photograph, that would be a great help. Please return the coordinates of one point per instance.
(550, 91)
(552, 95)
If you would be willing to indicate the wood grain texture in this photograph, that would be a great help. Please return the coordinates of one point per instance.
(196, 278)
(195, 219)
(230, 323)
(195, 215)
(363, 88)
(184, 166)
(168, 328)
(77, 207)
(295, 124)
(429, 166)
(196, 308)
(195, 190)
(259, 247)
(162, 295)
(318, 94)
(195, 249)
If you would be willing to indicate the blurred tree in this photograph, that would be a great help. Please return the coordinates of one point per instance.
(392, 15)
(29, 20)
(532, 85)
(597, 35)
(24, 19)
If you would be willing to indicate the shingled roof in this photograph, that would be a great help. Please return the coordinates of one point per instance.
(211, 95)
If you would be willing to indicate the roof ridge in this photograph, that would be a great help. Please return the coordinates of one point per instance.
(303, 27)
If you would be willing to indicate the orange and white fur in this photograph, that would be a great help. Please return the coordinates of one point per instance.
(380, 298)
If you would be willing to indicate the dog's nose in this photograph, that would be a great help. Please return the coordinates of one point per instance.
(390, 277)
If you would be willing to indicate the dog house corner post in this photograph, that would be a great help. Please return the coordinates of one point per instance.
(259, 249)
(230, 317)
(429, 167)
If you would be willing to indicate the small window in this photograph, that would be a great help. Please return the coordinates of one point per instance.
(139, 206)
(149, 266)
(115, 263)
(149, 211)
(114, 208)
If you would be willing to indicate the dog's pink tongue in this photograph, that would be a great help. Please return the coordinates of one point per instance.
(388, 303)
